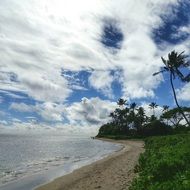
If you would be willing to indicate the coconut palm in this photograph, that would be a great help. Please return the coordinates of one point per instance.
(121, 102)
(133, 106)
(165, 108)
(132, 117)
(152, 106)
(174, 64)
(141, 115)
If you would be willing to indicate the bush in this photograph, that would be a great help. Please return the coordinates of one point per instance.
(165, 165)
(156, 127)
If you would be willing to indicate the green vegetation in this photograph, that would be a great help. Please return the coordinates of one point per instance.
(165, 165)
(174, 65)
(132, 122)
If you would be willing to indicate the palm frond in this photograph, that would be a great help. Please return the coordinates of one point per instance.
(179, 74)
(154, 74)
(181, 53)
(164, 61)
(166, 68)
(187, 78)
(186, 64)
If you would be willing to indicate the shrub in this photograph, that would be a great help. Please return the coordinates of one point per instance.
(155, 127)
(165, 165)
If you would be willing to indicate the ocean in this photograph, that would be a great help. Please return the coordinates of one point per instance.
(30, 159)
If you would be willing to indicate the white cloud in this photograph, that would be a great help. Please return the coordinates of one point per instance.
(51, 111)
(3, 122)
(48, 111)
(184, 93)
(148, 111)
(39, 38)
(102, 80)
(21, 107)
(185, 29)
(93, 111)
(12, 95)
(88, 112)
(32, 127)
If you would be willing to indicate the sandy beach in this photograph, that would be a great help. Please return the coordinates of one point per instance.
(114, 172)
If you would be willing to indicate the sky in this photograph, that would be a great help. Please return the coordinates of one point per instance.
(65, 63)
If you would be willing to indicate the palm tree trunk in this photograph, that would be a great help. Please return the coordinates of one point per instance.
(174, 93)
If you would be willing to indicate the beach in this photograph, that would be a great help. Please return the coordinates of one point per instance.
(114, 172)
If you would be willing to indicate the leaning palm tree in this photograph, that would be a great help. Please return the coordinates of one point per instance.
(174, 64)
(152, 106)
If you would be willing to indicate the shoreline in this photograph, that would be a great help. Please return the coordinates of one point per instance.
(32, 181)
(113, 172)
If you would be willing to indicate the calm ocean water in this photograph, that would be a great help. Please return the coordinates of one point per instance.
(27, 154)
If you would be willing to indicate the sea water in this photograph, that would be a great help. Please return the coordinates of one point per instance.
(26, 156)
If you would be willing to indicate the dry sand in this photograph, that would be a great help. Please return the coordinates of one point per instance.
(114, 172)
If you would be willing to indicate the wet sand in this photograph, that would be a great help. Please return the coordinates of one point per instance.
(114, 172)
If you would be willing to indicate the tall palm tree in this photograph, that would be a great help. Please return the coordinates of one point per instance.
(133, 106)
(152, 106)
(132, 116)
(121, 102)
(165, 108)
(174, 64)
(141, 115)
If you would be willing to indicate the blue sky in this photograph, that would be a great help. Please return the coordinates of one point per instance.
(65, 63)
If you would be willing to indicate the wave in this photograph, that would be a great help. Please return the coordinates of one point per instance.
(37, 167)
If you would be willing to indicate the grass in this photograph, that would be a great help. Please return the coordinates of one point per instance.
(165, 165)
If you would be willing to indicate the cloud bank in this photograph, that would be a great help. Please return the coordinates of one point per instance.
(41, 39)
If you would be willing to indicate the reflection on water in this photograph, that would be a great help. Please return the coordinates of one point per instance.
(26, 154)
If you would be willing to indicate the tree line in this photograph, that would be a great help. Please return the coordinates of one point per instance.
(131, 120)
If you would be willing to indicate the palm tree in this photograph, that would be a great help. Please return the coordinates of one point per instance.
(175, 62)
(152, 106)
(141, 115)
(121, 102)
(133, 106)
(132, 117)
(165, 108)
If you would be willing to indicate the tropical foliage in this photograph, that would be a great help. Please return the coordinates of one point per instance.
(132, 121)
(174, 65)
(165, 165)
